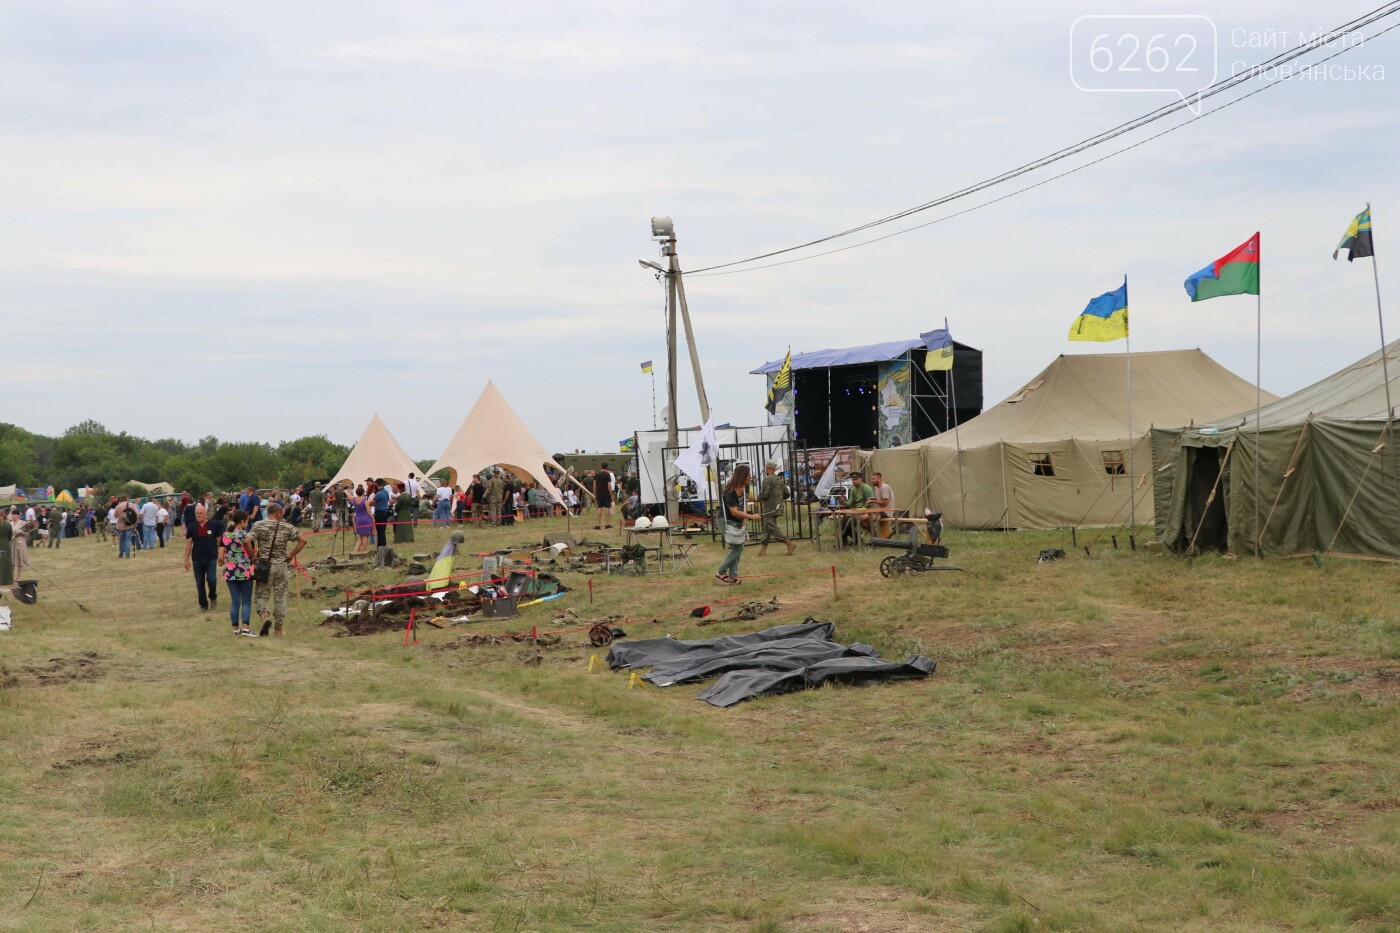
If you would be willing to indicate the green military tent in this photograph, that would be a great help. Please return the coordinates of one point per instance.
(1055, 453)
(1328, 472)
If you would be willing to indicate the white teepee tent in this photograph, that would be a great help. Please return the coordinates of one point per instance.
(376, 454)
(494, 435)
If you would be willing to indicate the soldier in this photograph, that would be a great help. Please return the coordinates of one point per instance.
(318, 506)
(270, 539)
(772, 494)
(495, 494)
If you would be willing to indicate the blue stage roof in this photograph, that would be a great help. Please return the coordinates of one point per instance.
(848, 356)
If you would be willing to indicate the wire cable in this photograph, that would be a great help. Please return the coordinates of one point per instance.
(1012, 194)
(1219, 87)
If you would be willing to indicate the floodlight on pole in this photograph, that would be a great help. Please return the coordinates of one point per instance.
(648, 264)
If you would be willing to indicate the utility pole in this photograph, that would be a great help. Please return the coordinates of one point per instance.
(664, 231)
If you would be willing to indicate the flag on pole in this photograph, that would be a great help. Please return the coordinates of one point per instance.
(702, 456)
(940, 350)
(1357, 240)
(782, 384)
(1235, 273)
(628, 445)
(646, 367)
(1104, 318)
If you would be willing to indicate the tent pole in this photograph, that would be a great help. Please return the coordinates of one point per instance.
(1132, 440)
(957, 438)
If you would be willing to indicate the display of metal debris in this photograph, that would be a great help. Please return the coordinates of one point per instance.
(776, 660)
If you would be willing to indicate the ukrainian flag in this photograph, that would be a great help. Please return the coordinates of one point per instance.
(1105, 318)
(646, 367)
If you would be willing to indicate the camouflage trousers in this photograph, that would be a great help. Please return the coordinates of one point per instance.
(276, 588)
(478, 512)
(494, 507)
(771, 531)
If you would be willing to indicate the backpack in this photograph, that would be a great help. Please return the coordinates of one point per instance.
(130, 517)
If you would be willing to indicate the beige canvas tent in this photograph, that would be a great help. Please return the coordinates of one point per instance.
(1329, 472)
(376, 454)
(1055, 453)
(154, 489)
(494, 435)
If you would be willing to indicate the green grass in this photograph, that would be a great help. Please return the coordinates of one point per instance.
(1123, 742)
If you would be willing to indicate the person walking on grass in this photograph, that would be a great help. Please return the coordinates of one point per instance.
(238, 573)
(771, 496)
(442, 506)
(364, 520)
(736, 534)
(202, 556)
(272, 539)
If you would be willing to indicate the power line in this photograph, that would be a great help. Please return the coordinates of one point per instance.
(1219, 87)
(1023, 190)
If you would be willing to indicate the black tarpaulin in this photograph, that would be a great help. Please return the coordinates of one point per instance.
(776, 660)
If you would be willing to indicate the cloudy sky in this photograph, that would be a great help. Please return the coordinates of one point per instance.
(263, 220)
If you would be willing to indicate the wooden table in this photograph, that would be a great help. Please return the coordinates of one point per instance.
(841, 516)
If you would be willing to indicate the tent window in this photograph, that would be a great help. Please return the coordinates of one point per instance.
(1042, 465)
(1113, 463)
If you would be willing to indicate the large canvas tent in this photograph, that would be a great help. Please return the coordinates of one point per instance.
(494, 435)
(1328, 479)
(376, 455)
(1055, 453)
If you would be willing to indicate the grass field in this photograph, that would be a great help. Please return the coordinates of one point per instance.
(1118, 743)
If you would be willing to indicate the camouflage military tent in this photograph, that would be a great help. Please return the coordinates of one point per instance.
(1329, 475)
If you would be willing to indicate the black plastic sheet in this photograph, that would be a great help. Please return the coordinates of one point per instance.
(776, 660)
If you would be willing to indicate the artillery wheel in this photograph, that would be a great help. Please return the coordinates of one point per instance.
(891, 566)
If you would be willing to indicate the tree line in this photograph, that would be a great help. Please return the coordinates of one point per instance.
(87, 454)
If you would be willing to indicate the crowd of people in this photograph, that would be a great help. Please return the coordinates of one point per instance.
(250, 539)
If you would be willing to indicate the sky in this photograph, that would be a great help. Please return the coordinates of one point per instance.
(266, 220)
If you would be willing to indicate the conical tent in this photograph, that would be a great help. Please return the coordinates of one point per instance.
(494, 435)
(376, 455)
(1328, 467)
(1055, 453)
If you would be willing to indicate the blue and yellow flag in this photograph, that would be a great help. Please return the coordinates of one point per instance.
(1105, 318)
(628, 445)
(939, 344)
(646, 367)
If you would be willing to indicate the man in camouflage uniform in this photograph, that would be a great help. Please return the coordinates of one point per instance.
(495, 495)
(771, 496)
(271, 538)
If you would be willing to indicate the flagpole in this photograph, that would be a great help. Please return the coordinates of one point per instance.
(957, 439)
(653, 397)
(1258, 380)
(1380, 319)
(1128, 357)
